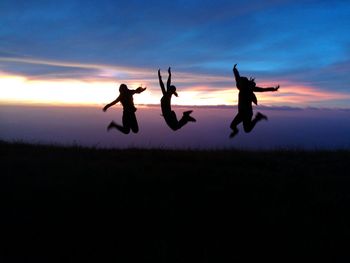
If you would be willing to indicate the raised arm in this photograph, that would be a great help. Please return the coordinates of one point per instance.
(236, 73)
(161, 82)
(258, 89)
(169, 79)
(111, 104)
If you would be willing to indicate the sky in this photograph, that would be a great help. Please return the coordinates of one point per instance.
(78, 52)
(62, 61)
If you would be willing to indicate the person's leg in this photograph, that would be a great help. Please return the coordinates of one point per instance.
(171, 120)
(126, 124)
(237, 120)
(182, 122)
(187, 115)
(259, 116)
(111, 125)
(133, 123)
(249, 124)
(185, 119)
(118, 127)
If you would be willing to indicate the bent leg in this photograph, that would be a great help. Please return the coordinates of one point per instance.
(182, 122)
(171, 120)
(120, 128)
(185, 119)
(249, 124)
(237, 120)
(133, 123)
(127, 121)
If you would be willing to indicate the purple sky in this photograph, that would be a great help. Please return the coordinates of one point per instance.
(286, 128)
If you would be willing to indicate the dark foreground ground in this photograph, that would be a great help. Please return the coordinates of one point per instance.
(75, 205)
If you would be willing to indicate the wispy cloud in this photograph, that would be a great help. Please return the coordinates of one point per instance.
(97, 84)
(305, 43)
(294, 94)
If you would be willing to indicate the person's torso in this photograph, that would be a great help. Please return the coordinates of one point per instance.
(165, 103)
(245, 99)
(128, 102)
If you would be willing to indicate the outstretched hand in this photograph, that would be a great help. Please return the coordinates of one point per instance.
(169, 70)
(277, 87)
(159, 72)
(234, 66)
(140, 89)
(105, 108)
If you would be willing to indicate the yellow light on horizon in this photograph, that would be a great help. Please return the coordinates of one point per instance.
(19, 89)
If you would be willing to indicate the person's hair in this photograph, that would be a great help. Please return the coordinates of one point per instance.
(123, 88)
(244, 80)
(172, 88)
(252, 82)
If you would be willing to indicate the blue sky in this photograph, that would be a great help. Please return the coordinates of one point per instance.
(296, 43)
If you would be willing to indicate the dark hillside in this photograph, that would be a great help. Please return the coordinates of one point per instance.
(72, 204)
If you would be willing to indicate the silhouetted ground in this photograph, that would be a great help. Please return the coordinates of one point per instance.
(61, 204)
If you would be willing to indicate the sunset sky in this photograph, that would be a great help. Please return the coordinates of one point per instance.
(79, 52)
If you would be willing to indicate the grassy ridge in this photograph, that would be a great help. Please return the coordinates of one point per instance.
(71, 204)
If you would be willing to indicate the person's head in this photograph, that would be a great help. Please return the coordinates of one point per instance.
(244, 81)
(172, 90)
(123, 89)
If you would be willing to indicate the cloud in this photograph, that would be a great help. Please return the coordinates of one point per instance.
(303, 42)
(301, 95)
(194, 88)
(133, 33)
(108, 71)
(38, 70)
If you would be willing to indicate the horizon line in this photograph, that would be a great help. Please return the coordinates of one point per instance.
(218, 106)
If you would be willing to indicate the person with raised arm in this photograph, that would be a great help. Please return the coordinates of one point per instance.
(246, 96)
(129, 118)
(168, 114)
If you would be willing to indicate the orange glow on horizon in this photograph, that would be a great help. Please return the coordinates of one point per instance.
(19, 89)
(291, 94)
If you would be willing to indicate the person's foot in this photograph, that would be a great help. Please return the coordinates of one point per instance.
(259, 116)
(111, 125)
(234, 133)
(188, 117)
(187, 113)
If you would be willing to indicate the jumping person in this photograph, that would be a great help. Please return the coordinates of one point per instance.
(245, 98)
(168, 114)
(129, 118)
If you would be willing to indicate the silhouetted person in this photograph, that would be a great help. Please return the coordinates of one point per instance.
(168, 114)
(129, 117)
(245, 98)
